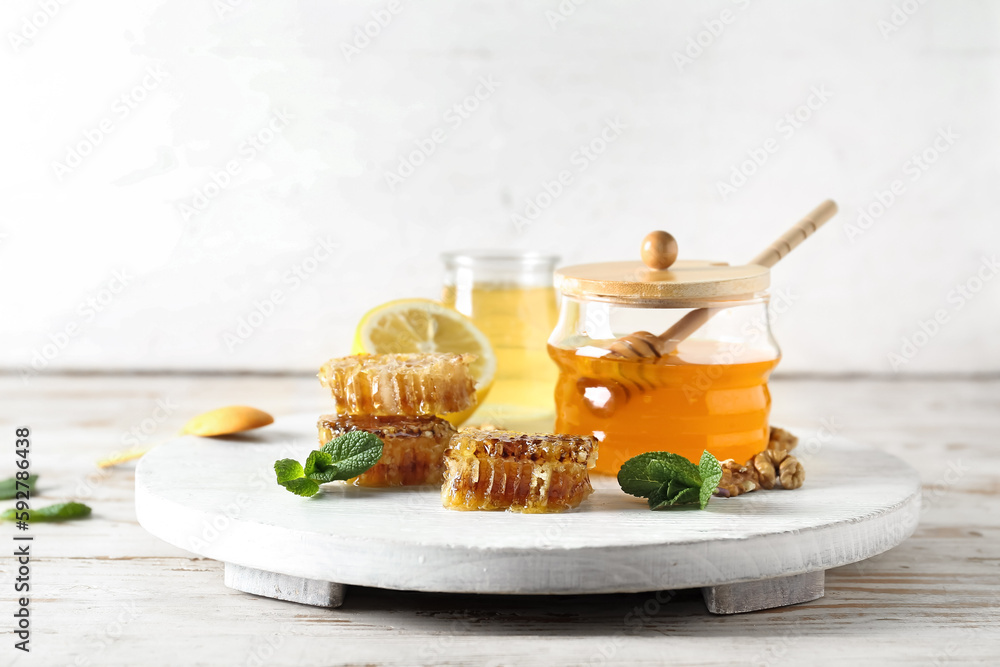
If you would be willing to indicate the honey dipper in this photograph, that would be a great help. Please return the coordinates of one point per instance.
(659, 250)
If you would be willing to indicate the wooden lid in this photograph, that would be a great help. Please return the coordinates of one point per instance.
(685, 280)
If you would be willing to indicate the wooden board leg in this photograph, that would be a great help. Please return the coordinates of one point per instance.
(284, 587)
(764, 593)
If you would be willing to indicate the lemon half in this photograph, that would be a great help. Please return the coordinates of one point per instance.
(421, 325)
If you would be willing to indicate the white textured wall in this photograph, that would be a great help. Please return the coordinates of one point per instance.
(200, 78)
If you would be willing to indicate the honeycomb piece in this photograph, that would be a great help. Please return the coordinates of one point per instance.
(413, 448)
(521, 472)
(400, 384)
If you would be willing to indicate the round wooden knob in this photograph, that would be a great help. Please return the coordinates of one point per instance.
(659, 250)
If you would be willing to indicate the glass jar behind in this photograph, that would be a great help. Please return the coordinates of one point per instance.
(510, 297)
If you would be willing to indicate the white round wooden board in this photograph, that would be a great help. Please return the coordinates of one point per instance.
(217, 497)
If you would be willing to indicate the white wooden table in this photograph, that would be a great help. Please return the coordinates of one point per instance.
(104, 592)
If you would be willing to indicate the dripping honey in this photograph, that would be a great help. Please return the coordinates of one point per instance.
(684, 403)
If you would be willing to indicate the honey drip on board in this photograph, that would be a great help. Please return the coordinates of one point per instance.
(683, 403)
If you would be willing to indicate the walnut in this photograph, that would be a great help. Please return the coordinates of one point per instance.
(792, 473)
(736, 479)
(766, 469)
(780, 443)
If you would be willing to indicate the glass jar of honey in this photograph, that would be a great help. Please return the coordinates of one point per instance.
(510, 298)
(664, 359)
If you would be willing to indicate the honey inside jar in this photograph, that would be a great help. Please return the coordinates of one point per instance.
(702, 397)
(672, 360)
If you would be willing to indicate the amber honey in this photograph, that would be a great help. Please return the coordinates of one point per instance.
(684, 403)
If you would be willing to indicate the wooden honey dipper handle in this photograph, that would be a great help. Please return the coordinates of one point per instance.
(799, 232)
(645, 345)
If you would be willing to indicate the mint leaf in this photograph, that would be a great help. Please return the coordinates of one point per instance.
(319, 466)
(58, 512)
(688, 496)
(353, 453)
(634, 478)
(342, 458)
(303, 486)
(659, 498)
(679, 468)
(666, 479)
(643, 474)
(291, 476)
(669, 497)
(287, 470)
(711, 474)
(9, 488)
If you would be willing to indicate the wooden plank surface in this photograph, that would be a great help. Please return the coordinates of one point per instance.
(107, 593)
